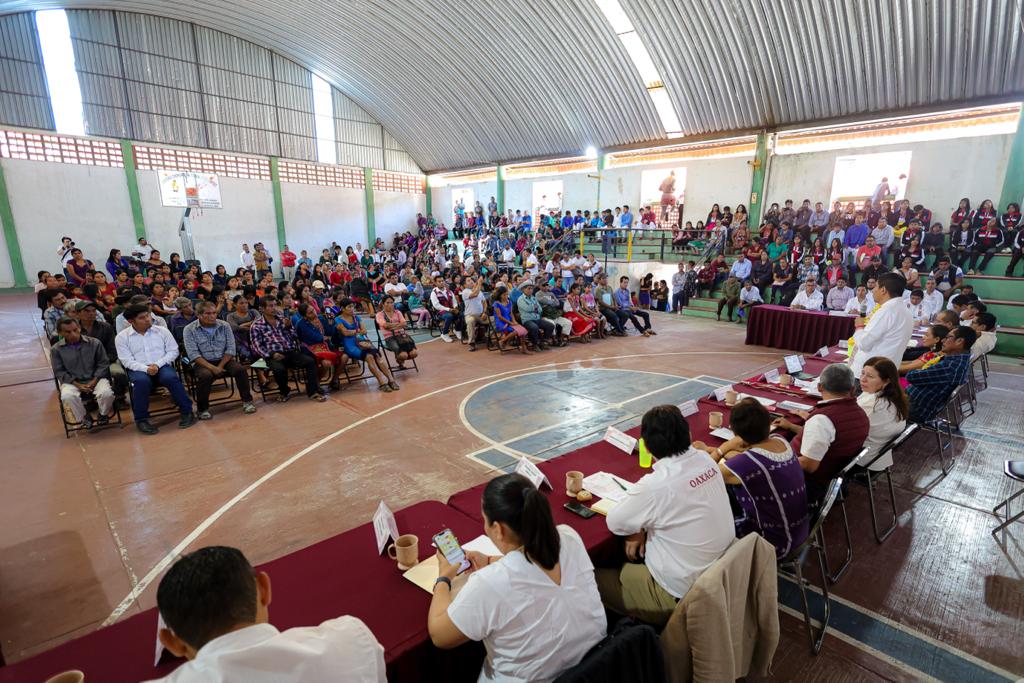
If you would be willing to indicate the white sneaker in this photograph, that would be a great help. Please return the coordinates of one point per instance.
(458, 334)
(446, 338)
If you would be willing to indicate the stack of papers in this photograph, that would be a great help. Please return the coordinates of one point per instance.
(603, 506)
(723, 433)
(426, 572)
(604, 485)
(766, 402)
(811, 386)
(793, 405)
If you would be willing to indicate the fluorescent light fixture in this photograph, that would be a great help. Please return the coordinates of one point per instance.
(613, 12)
(637, 52)
(61, 77)
(323, 119)
(666, 111)
(591, 152)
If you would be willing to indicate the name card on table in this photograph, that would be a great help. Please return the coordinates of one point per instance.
(841, 314)
(530, 471)
(688, 408)
(720, 392)
(772, 376)
(823, 352)
(793, 405)
(384, 526)
(794, 364)
(620, 440)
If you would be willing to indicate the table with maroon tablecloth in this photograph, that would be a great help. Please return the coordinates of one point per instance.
(341, 575)
(784, 328)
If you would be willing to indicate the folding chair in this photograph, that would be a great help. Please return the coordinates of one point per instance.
(980, 383)
(889, 447)
(188, 376)
(89, 401)
(1014, 469)
(792, 566)
(164, 408)
(393, 366)
(943, 424)
(842, 477)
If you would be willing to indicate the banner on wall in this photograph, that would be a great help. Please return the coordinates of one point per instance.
(876, 177)
(187, 188)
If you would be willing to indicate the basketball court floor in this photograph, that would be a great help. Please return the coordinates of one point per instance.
(92, 521)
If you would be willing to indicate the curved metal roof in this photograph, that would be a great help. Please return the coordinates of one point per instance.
(464, 82)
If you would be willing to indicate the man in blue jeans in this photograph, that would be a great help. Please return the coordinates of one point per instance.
(146, 351)
(625, 305)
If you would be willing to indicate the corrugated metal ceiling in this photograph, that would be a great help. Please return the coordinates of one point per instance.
(463, 82)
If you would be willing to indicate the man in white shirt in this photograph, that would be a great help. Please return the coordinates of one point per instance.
(750, 296)
(247, 259)
(985, 325)
(808, 298)
(508, 257)
(216, 608)
(140, 251)
(474, 315)
(860, 304)
(677, 518)
(146, 352)
(121, 324)
(530, 262)
(933, 299)
(887, 330)
(915, 304)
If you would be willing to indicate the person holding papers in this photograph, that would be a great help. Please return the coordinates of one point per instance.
(808, 298)
(888, 329)
(536, 606)
(677, 519)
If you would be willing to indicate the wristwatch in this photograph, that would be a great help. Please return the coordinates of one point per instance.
(443, 579)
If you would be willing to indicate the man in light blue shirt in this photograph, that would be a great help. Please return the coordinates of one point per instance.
(740, 268)
(624, 303)
(626, 219)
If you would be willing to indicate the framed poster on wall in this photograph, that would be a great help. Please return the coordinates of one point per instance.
(187, 188)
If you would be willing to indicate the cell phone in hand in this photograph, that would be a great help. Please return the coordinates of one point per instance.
(446, 542)
(580, 509)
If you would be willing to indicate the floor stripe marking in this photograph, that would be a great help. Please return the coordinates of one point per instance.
(159, 567)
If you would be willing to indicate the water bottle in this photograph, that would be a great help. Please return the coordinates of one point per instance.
(645, 455)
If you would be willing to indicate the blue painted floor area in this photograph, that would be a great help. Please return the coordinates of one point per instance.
(578, 406)
(933, 660)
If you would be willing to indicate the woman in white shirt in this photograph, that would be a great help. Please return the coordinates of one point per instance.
(886, 405)
(535, 607)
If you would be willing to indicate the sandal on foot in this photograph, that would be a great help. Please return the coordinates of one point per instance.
(385, 388)
(394, 386)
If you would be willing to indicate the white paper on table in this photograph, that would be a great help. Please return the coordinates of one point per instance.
(841, 313)
(688, 408)
(720, 392)
(766, 402)
(603, 485)
(823, 352)
(723, 433)
(482, 544)
(384, 526)
(620, 440)
(772, 376)
(793, 365)
(811, 386)
(793, 405)
(843, 351)
(530, 471)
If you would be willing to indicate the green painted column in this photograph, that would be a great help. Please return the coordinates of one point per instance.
(760, 164)
(1013, 183)
(128, 155)
(500, 192)
(429, 207)
(11, 234)
(275, 180)
(371, 223)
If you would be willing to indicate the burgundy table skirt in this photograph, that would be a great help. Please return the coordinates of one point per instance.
(338, 576)
(783, 328)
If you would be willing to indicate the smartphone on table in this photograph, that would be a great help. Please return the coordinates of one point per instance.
(580, 509)
(449, 546)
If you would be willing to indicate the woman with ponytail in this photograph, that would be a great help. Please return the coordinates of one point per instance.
(535, 606)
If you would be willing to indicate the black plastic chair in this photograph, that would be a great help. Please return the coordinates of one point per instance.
(388, 355)
(890, 447)
(631, 651)
(792, 566)
(1014, 469)
(89, 400)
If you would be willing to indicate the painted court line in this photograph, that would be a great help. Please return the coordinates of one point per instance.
(169, 558)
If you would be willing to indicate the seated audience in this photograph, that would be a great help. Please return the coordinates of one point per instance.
(750, 296)
(535, 607)
(147, 352)
(927, 352)
(121, 323)
(393, 330)
(210, 347)
(315, 335)
(444, 304)
(985, 325)
(184, 316)
(839, 296)
(272, 338)
(677, 527)
(216, 610)
(886, 406)
(358, 347)
(541, 331)
(763, 475)
(474, 313)
(832, 433)
(605, 299)
(730, 296)
(929, 388)
(505, 323)
(81, 366)
(625, 305)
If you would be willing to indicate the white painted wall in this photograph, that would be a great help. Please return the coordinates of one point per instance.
(941, 172)
(396, 212)
(315, 216)
(441, 199)
(87, 203)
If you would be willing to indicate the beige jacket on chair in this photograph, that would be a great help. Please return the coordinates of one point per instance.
(727, 624)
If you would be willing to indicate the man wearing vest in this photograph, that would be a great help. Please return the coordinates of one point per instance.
(832, 434)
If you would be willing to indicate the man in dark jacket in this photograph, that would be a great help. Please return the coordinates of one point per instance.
(80, 365)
